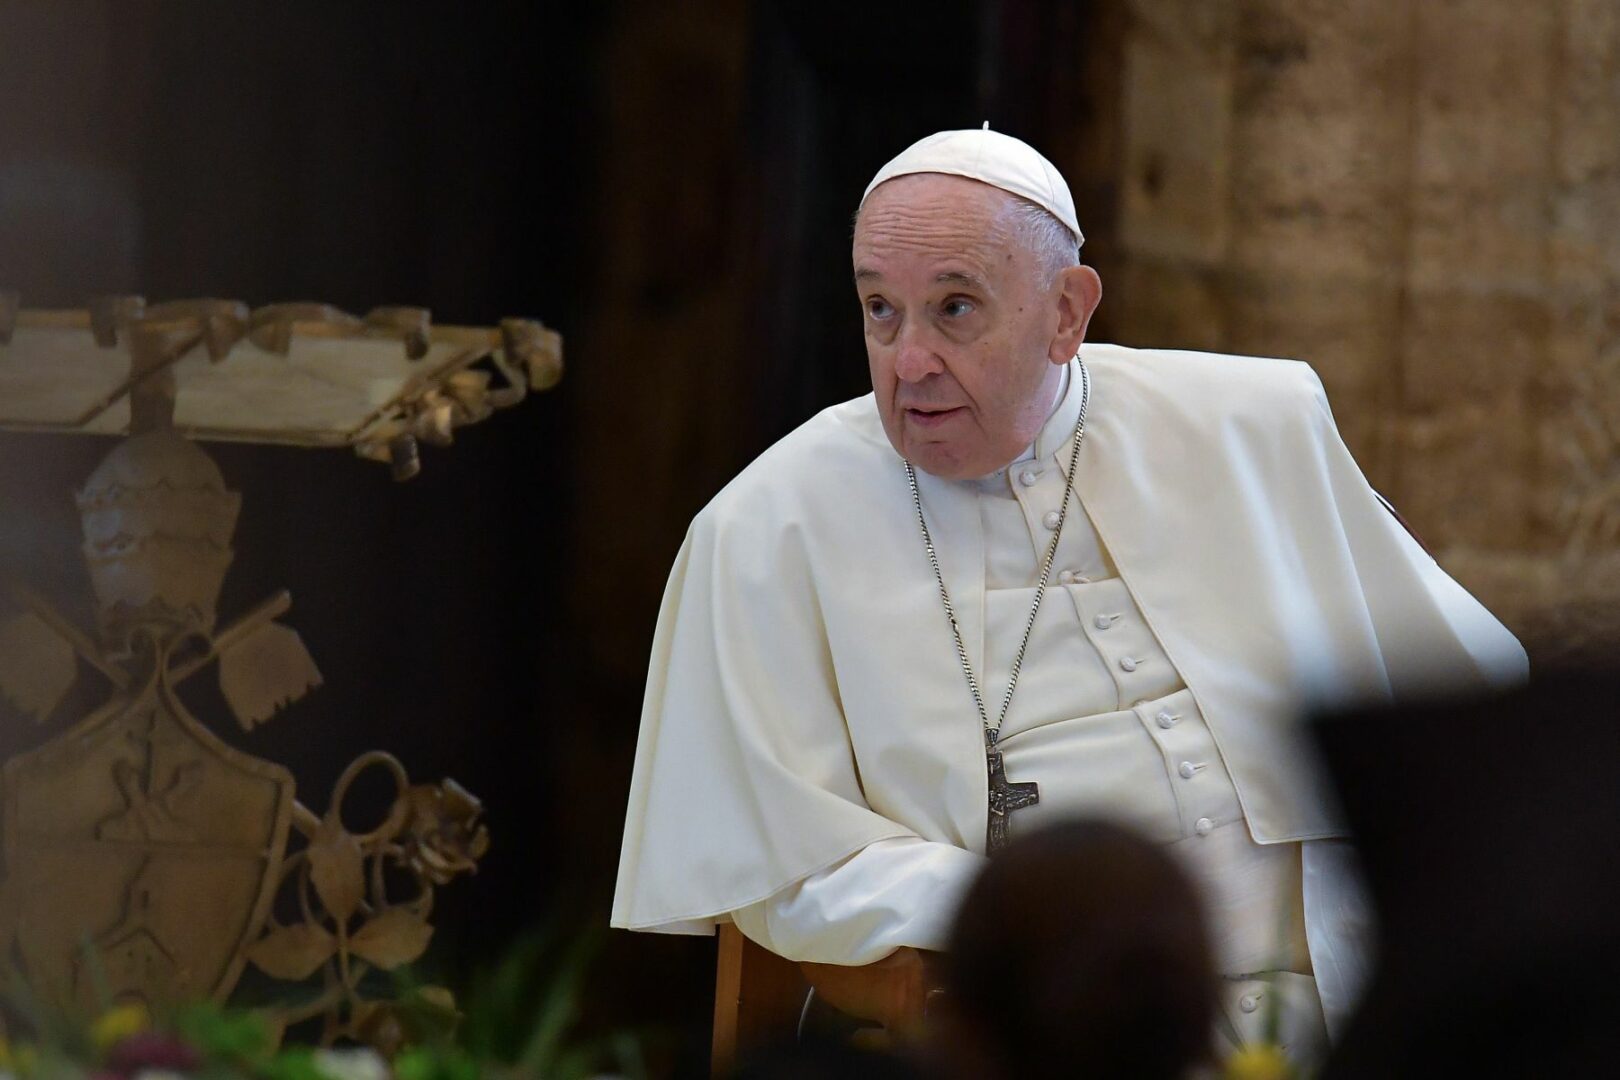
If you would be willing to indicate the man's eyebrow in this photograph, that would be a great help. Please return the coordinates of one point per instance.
(961, 277)
(958, 277)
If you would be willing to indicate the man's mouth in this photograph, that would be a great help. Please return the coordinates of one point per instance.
(933, 417)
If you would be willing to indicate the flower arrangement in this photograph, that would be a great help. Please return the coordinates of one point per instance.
(1258, 1061)
(208, 1042)
(518, 1023)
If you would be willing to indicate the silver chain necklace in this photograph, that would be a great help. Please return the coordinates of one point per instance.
(1005, 797)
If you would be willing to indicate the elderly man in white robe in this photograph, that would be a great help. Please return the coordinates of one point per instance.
(1027, 578)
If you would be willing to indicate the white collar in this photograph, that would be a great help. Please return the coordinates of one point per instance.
(1054, 435)
(1049, 441)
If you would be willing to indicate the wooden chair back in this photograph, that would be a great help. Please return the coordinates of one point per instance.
(758, 997)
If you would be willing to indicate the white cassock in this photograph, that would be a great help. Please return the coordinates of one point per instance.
(811, 765)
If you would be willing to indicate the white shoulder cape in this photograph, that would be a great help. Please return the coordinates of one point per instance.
(804, 698)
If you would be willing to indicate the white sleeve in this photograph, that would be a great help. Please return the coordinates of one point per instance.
(892, 893)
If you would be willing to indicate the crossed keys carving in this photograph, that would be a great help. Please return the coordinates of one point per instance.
(264, 665)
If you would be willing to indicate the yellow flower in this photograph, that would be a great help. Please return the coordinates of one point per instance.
(119, 1023)
(1258, 1061)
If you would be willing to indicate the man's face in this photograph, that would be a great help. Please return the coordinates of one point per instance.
(962, 331)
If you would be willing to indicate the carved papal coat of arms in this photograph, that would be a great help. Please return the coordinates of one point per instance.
(141, 852)
(144, 858)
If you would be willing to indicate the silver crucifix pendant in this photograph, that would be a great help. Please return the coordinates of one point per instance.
(1004, 797)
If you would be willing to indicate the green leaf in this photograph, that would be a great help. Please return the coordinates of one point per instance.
(414, 1063)
(232, 1036)
(445, 1063)
(558, 1008)
(296, 1063)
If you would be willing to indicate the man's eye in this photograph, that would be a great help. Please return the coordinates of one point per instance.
(955, 309)
(878, 308)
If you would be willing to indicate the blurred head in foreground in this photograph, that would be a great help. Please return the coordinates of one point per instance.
(1081, 950)
(1486, 831)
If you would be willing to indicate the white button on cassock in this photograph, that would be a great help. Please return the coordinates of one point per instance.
(1188, 770)
(1129, 664)
(1167, 719)
(1068, 577)
(1051, 519)
(1249, 1002)
(1028, 477)
(1103, 622)
(1203, 826)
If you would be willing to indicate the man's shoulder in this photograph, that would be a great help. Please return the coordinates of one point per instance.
(1215, 382)
(1193, 397)
(830, 457)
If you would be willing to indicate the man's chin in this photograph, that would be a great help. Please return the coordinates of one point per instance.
(944, 458)
(942, 461)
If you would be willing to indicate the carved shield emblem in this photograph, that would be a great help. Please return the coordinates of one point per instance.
(140, 855)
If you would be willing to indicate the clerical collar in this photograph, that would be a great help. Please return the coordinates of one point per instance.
(1051, 439)
(1059, 427)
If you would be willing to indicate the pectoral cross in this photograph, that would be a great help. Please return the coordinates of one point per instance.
(1004, 797)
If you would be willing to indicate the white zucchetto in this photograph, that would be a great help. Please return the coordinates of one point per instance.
(991, 158)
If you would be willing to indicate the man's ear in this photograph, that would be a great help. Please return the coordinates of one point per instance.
(1079, 292)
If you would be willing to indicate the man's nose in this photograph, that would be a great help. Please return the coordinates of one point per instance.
(916, 358)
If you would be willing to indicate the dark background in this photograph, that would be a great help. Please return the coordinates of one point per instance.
(671, 189)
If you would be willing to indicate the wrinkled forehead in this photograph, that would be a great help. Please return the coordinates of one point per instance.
(934, 213)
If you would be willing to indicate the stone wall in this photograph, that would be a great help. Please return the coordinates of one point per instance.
(1421, 198)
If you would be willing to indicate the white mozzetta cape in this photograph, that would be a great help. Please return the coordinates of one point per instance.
(804, 697)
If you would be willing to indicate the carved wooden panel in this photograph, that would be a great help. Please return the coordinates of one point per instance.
(298, 374)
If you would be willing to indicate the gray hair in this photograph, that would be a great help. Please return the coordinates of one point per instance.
(1053, 245)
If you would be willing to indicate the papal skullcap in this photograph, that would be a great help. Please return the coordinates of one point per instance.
(992, 158)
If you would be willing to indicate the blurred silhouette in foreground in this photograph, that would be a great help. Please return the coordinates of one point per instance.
(1080, 951)
(1488, 836)
(820, 1059)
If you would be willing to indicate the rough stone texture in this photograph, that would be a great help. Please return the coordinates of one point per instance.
(1421, 198)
